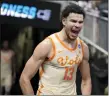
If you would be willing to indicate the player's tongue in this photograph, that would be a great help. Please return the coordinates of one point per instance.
(74, 32)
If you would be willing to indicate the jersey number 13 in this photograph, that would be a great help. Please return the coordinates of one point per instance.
(68, 73)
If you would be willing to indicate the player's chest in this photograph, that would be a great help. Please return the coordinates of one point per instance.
(67, 58)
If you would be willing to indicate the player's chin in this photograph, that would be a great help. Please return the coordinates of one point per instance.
(73, 37)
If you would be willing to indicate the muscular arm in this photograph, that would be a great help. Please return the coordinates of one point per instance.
(32, 66)
(85, 72)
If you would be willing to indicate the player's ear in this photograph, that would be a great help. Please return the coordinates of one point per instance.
(64, 21)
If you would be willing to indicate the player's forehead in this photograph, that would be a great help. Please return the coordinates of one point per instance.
(75, 16)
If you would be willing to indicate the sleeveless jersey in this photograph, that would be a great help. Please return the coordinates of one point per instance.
(6, 62)
(58, 74)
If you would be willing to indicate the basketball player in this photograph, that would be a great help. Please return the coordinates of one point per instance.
(58, 57)
(7, 68)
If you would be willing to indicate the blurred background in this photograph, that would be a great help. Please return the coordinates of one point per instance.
(24, 32)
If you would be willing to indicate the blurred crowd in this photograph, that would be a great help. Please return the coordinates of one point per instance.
(100, 7)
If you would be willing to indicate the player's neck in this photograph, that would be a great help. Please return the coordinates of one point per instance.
(64, 37)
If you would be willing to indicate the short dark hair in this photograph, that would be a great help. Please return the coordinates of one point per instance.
(72, 8)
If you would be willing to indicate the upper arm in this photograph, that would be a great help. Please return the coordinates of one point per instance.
(84, 66)
(37, 58)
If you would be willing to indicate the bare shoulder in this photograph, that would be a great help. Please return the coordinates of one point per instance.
(85, 46)
(43, 48)
(45, 44)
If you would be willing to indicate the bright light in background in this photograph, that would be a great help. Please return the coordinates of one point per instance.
(21, 11)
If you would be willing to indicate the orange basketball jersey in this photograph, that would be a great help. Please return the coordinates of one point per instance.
(58, 74)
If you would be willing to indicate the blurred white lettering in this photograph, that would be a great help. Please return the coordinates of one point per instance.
(21, 11)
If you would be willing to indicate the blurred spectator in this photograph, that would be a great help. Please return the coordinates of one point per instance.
(82, 3)
(102, 6)
(7, 68)
(99, 5)
(87, 5)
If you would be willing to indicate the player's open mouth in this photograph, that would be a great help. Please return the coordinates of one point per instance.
(75, 33)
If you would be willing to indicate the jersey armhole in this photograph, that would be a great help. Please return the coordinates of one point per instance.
(82, 47)
(53, 49)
